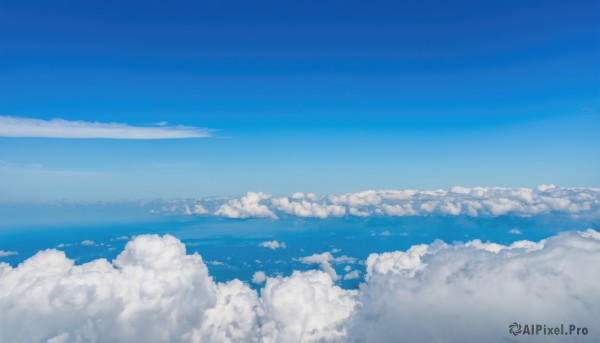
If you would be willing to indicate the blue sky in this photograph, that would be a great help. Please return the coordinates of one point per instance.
(310, 96)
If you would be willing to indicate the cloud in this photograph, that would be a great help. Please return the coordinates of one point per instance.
(259, 277)
(11, 126)
(215, 263)
(248, 206)
(459, 201)
(199, 209)
(273, 245)
(88, 242)
(4, 253)
(306, 208)
(40, 169)
(305, 307)
(468, 292)
(155, 292)
(325, 261)
(352, 275)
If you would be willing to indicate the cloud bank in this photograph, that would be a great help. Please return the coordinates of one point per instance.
(59, 128)
(155, 292)
(458, 201)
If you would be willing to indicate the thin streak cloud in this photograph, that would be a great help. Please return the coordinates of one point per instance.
(11, 126)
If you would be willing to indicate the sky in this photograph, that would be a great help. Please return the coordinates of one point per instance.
(226, 97)
(292, 135)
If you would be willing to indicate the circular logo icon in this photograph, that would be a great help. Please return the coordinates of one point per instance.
(514, 328)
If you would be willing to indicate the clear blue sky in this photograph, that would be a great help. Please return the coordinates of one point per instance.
(323, 96)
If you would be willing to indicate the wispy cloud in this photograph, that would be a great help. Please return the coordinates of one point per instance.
(38, 168)
(7, 164)
(11, 126)
(7, 253)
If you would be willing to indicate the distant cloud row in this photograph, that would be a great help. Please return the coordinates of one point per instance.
(11, 126)
(471, 202)
(153, 291)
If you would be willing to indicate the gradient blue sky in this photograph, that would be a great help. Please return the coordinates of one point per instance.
(323, 96)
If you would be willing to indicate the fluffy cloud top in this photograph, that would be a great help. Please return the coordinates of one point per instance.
(472, 292)
(307, 208)
(59, 128)
(305, 307)
(155, 292)
(248, 206)
(259, 277)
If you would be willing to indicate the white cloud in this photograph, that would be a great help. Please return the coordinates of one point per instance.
(591, 233)
(515, 231)
(453, 293)
(325, 261)
(40, 169)
(259, 277)
(155, 292)
(459, 201)
(352, 275)
(306, 208)
(88, 242)
(152, 292)
(305, 307)
(273, 245)
(215, 263)
(11, 126)
(248, 206)
(199, 209)
(4, 253)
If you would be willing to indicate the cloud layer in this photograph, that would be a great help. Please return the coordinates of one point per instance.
(474, 202)
(155, 292)
(59, 128)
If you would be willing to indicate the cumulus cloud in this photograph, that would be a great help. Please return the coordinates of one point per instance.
(88, 242)
(458, 201)
(440, 292)
(305, 307)
(248, 206)
(4, 253)
(273, 245)
(478, 201)
(259, 277)
(306, 208)
(155, 292)
(199, 209)
(11, 126)
(352, 275)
